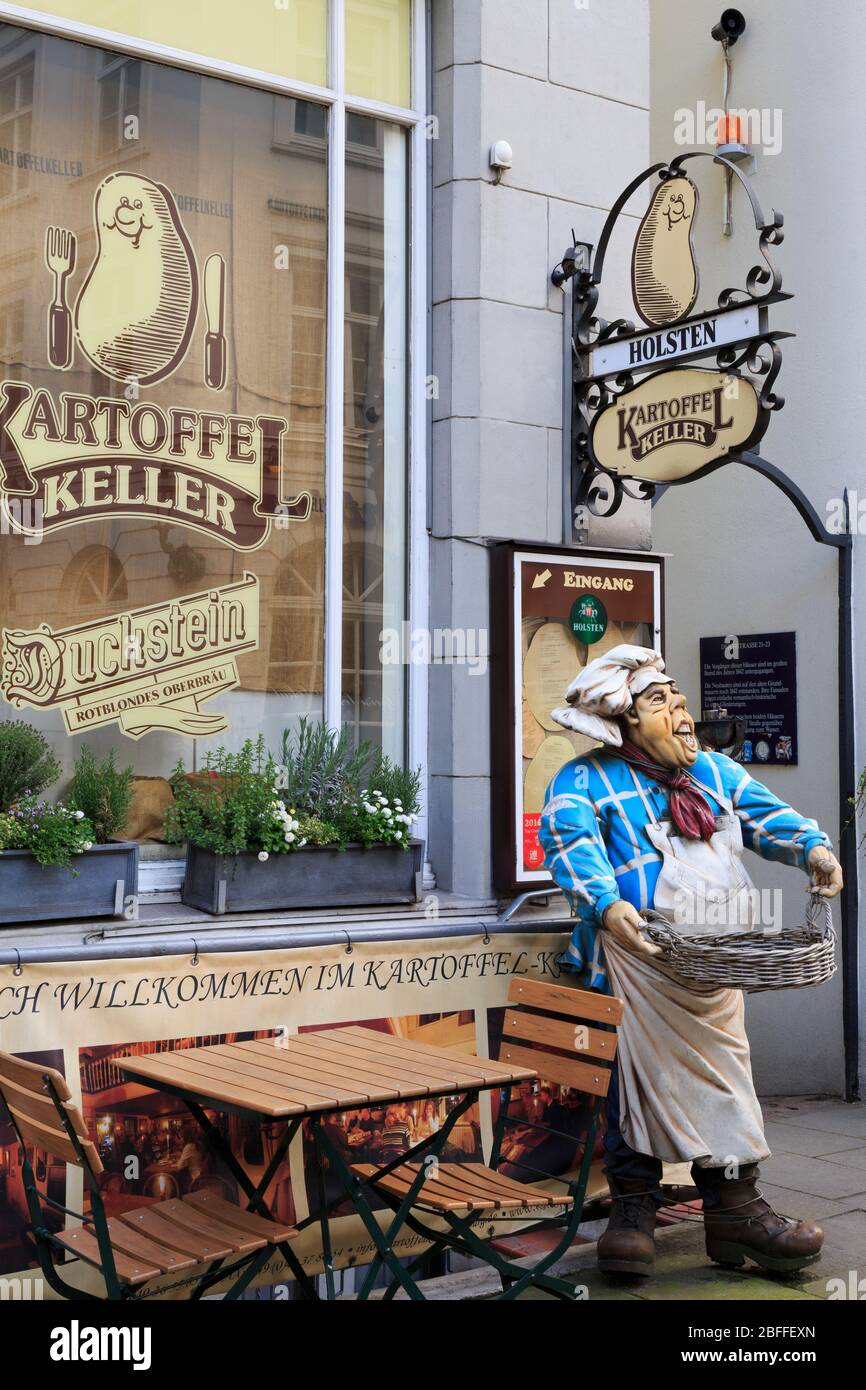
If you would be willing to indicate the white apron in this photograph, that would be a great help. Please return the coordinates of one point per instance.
(686, 1089)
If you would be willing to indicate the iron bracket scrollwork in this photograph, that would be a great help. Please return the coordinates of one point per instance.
(762, 358)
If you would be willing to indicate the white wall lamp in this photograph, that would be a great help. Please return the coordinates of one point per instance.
(501, 158)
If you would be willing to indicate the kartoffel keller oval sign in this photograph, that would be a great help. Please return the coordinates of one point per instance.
(675, 423)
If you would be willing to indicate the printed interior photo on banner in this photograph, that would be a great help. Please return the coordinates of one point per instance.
(379, 1133)
(16, 1250)
(150, 1147)
(529, 1148)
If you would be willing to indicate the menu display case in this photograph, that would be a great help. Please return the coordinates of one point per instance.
(553, 610)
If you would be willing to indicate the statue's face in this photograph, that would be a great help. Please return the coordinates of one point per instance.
(661, 726)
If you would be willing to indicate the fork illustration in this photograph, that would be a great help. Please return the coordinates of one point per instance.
(60, 245)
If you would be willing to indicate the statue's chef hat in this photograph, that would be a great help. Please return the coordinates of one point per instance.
(606, 688)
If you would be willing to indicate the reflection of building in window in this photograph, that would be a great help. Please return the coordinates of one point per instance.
(295, 614)
(295, 618)
(308, 340)
(363, 393)
(16, 125)
(298, 123)
(94, 579)
(12, 331)
(119, 96)
(362, 131)
(362, 627)
(310, 119)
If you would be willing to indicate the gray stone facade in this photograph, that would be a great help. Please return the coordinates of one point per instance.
(568, 88)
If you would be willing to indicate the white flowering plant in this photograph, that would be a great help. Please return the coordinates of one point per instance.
(53, 833)
(282, 832)
(374, 820)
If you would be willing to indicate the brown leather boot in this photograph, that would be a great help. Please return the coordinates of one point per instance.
(744, 1226)
(627, 1246)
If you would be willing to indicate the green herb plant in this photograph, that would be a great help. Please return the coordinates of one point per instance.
(323, 791)
(103, 792)
(27, 765)
(230, 805)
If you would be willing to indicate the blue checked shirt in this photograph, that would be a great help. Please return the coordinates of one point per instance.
(593, 833)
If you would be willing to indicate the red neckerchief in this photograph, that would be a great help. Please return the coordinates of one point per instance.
(691, 813)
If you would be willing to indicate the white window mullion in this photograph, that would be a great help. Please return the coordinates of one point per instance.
(395, 421)
(419, 581)
(335, 377)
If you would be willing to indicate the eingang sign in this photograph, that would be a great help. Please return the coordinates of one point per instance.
(553, 610)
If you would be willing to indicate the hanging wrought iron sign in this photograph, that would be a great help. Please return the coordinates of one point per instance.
(641, 416)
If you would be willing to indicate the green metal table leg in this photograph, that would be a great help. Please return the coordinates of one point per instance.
(325, 1225)
(353, 1186)
(256, 1201)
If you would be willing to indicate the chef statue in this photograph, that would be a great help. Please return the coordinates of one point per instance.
(651, 821)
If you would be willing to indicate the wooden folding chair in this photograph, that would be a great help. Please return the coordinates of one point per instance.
(568, 1036)
(148, 1243)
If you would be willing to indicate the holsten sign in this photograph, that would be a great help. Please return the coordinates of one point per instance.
(147, 669)
(81, 457)
(696, 338)
(675, 423)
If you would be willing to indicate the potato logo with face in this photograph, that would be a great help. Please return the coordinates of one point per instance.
(664, 272)
(136, 310)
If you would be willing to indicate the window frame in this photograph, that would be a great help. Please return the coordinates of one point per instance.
(414, 119)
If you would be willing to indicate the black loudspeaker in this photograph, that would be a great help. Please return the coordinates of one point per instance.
(729, 27)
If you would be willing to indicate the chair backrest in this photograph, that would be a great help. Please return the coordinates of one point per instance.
(550, 1027)
(24, 1088)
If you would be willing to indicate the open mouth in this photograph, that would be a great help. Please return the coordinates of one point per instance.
(685, 732)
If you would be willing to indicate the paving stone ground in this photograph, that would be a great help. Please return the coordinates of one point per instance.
(817, 1169)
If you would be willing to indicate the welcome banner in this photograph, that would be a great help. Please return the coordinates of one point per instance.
(80, 1017)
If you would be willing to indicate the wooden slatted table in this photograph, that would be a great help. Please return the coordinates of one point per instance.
(313, 1075)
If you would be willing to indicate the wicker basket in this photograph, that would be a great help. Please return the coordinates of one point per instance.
(752, 961)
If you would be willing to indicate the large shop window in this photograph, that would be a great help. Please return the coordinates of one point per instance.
(163, 350)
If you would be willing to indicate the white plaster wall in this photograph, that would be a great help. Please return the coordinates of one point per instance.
(742, 560)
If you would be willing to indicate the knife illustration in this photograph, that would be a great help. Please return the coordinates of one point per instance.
(215, 307)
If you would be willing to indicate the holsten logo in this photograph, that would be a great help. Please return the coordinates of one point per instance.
(81, 456)
(675, 423)
(147, 669)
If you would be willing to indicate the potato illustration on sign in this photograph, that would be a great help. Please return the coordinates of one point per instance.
(136, 310)
(664, 271)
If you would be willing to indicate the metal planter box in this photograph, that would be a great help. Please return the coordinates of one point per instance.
(315, 876)
(106, 885)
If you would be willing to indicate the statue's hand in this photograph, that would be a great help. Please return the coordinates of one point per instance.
(624, 923)
(826, 872)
